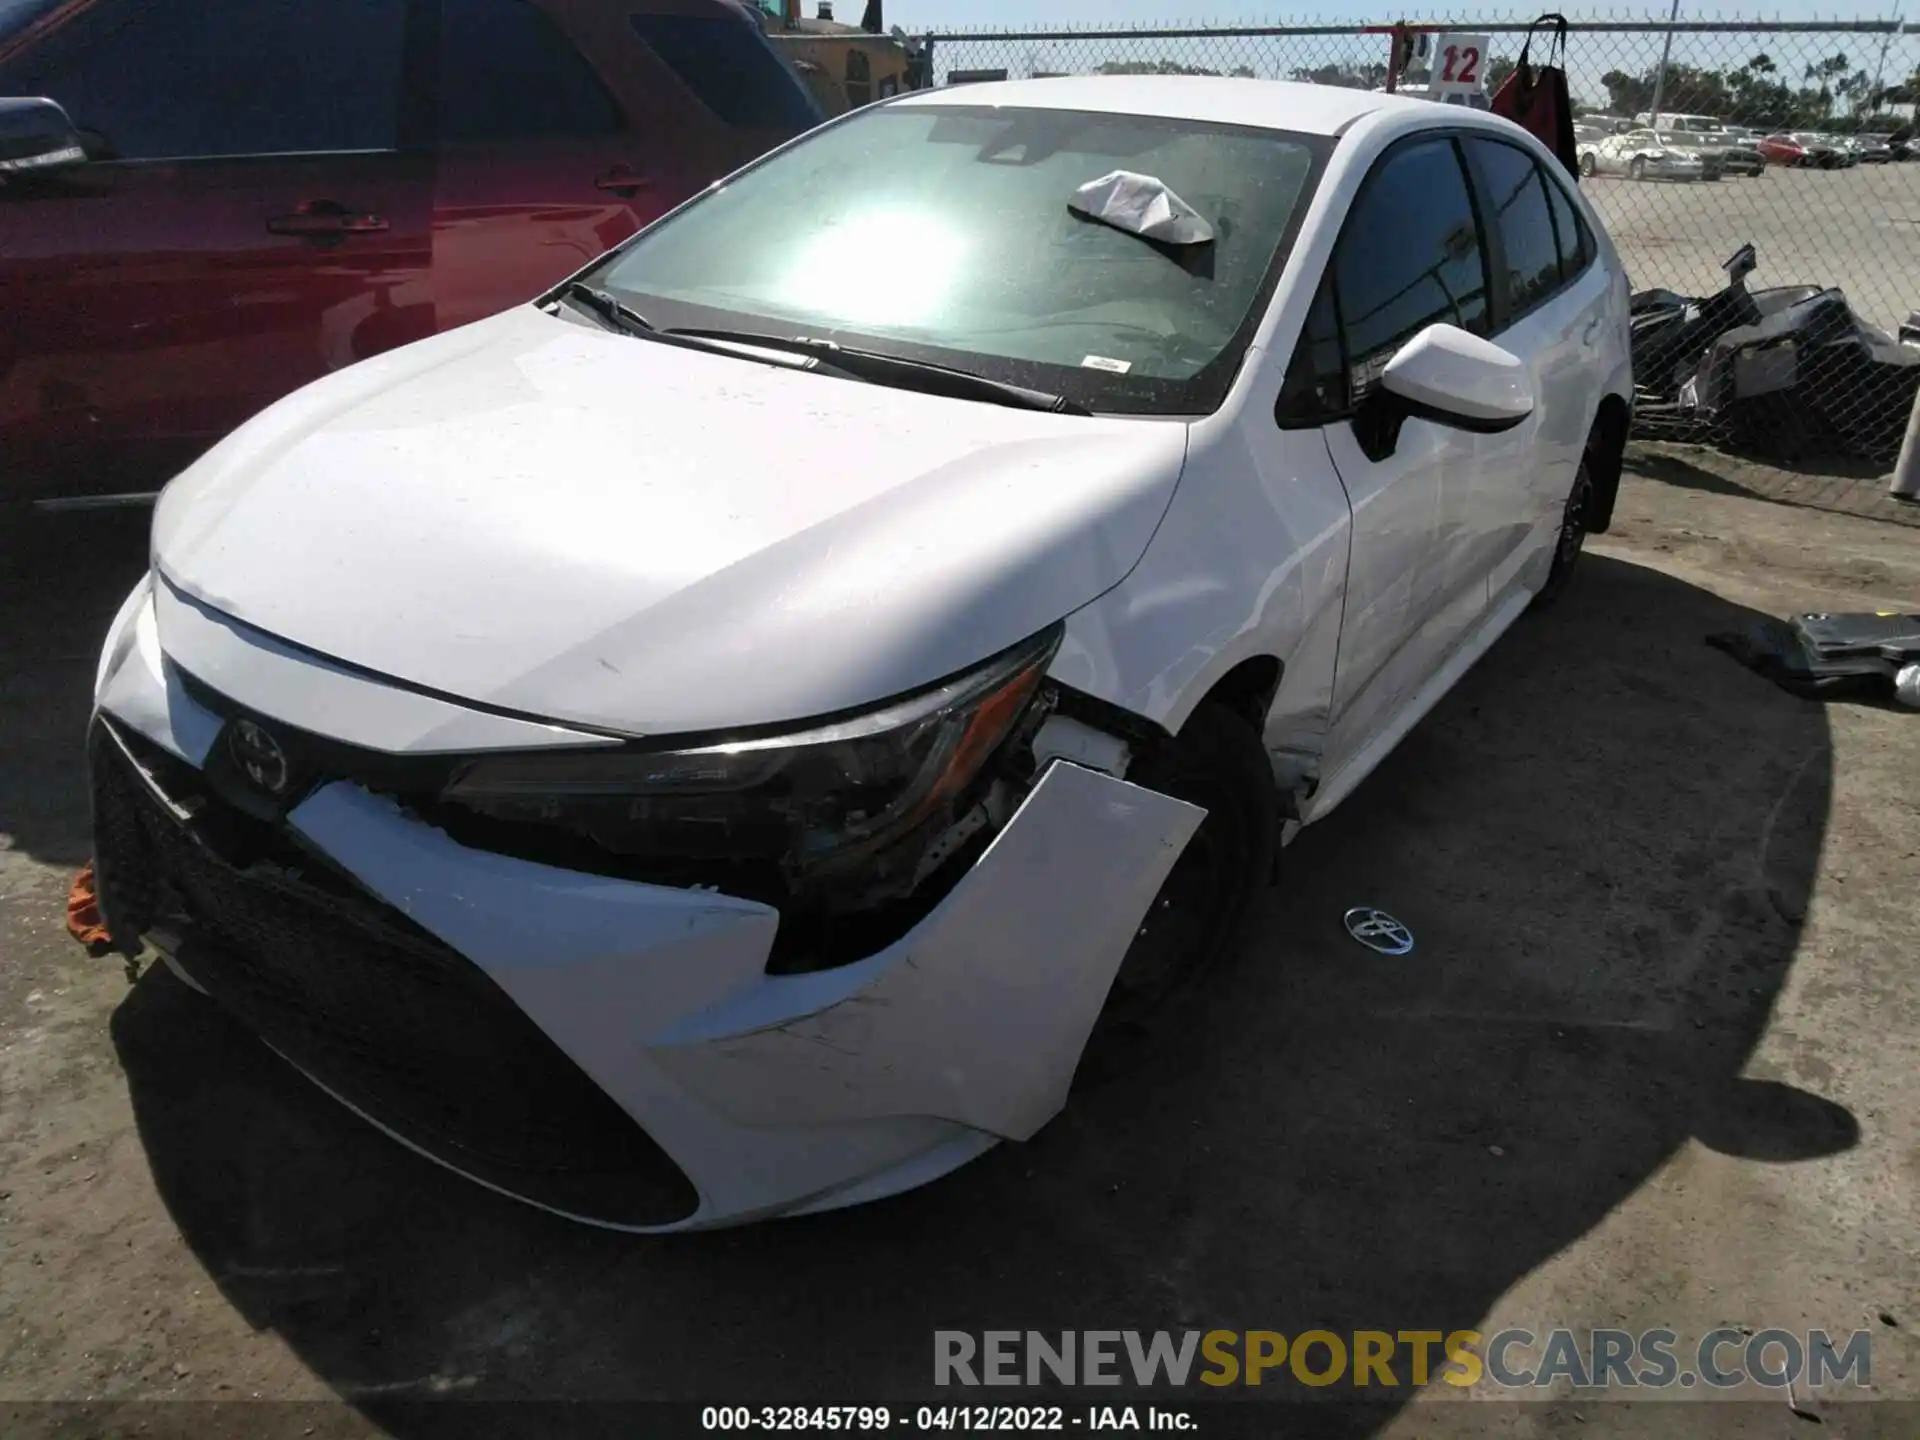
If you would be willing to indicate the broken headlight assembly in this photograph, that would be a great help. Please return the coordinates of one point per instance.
(813, 802)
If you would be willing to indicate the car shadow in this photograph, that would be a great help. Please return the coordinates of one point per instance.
(1604, 841)
(62, 580)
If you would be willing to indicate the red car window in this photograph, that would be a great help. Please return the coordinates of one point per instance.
(729, 66)
(185, 79)
(508, 72)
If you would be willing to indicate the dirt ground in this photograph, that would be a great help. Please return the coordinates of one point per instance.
(1858, 229)
(1655, 1061)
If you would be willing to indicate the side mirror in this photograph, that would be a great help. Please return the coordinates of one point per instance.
(1448, 377)
(36, 136)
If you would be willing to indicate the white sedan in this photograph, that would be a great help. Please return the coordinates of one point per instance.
(1643, 155)
(735, 737)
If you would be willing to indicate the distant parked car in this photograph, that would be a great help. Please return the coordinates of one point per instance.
(1846, 156)
(1872, 149)
(1897, 148)
(1801, 151)
(1720, 154)
(1667, 120)
(1641, 155)
(205, 204)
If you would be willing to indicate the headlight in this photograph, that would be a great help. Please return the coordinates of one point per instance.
(822, 796)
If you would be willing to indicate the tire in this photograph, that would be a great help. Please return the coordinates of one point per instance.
(1573, 533)
(1588, 167)
(1196, 922)
(1637, 168)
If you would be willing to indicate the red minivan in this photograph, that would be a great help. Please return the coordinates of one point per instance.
(272, 189)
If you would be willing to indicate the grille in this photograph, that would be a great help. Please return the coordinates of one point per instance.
(396, 1023)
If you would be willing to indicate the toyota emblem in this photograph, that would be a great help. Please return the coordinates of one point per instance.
(259, 756)
(1379, 931)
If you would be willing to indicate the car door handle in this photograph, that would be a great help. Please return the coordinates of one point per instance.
(622, 180)
(326, 218)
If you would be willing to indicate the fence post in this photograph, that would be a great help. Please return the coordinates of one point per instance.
(1660, 76)
(1906, 470)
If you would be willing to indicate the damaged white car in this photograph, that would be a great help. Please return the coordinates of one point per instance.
(726, 739)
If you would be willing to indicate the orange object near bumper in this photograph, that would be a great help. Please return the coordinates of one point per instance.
(84, 922)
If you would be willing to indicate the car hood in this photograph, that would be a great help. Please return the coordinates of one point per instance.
(588, 527)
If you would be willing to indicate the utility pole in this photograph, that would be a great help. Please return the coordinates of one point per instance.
(1906, 470)
(1880, 65)
(1660, 76)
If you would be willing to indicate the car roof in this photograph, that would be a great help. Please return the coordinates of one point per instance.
(1219, 99)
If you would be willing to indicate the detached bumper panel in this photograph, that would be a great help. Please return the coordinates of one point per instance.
(390, 1020)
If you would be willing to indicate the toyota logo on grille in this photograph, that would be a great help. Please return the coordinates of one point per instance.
(259, 756)
(1379, 931)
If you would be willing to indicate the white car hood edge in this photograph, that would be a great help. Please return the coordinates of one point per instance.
(594, 529)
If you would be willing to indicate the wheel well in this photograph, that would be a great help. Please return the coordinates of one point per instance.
(1606, 448)
(1248, 689)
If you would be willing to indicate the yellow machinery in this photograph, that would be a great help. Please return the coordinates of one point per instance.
(845, 66)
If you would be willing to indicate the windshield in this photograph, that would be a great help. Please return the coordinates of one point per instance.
(943, 233)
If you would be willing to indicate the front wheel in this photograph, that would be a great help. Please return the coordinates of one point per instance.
(1195, 922)
(1572, 538)
(1637, 170)
(1588, 166)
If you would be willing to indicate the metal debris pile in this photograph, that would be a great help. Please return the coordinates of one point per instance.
(1782, 373)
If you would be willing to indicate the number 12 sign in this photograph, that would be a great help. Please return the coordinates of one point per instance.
(1459, 65)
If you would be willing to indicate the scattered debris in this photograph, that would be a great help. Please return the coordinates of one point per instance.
(84, 921)
(1378, 931)
(1831, 656)
(1800, 1405)
(1783, 372)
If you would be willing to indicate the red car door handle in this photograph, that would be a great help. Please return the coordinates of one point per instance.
(326, 218)
(622, 180)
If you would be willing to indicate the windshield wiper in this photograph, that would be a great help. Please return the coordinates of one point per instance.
(615, 313)
(881, 369)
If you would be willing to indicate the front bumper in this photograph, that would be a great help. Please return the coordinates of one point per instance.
(610, 1050)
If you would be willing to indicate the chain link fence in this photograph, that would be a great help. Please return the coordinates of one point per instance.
(1696, 140)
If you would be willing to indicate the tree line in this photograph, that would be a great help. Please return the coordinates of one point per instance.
(1832, 93)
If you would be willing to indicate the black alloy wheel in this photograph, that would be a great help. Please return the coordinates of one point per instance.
(1195, 923)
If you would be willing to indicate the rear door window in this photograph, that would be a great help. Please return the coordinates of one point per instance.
(1516, 203)
(1570, 231)
(192, 79)
(508, 72)
(731, 69)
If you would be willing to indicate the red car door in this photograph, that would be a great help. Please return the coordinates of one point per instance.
(562, 131)
(254, 213)
(538, 168)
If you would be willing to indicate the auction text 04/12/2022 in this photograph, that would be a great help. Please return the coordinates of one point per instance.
(943, 1418)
